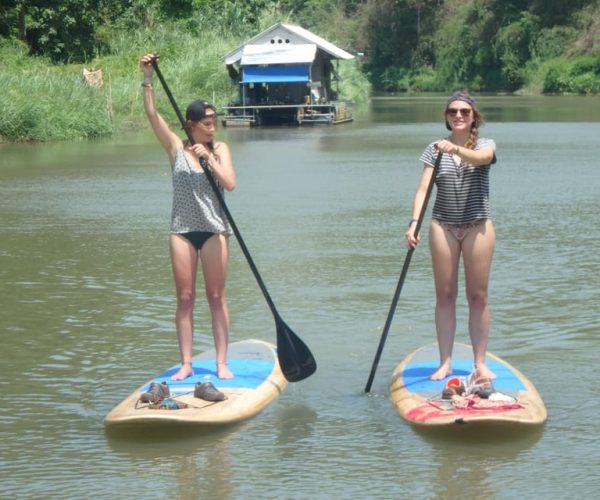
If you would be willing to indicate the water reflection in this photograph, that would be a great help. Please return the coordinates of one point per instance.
(198, 461)
(466, 463)
(294, 423)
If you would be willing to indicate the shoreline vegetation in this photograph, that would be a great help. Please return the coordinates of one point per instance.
(511, 46)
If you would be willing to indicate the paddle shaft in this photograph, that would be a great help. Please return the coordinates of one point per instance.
(407, 260)
(219, 196)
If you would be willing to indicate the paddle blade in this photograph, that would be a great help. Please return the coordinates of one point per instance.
(295, 358)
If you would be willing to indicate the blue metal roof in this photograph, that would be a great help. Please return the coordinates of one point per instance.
(276, 74)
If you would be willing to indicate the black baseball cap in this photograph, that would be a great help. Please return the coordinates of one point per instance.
(196, 111)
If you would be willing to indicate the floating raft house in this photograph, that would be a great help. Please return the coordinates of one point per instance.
(285, 76)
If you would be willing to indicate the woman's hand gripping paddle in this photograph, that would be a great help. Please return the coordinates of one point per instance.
(295, 358)
(409, 253)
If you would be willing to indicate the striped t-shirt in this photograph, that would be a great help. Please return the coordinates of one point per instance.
(195, 205)
(463, 191)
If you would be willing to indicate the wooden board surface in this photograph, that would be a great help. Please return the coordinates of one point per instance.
(418, 400)
(258, 381)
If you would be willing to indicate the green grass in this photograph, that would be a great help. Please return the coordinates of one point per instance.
(40, 102)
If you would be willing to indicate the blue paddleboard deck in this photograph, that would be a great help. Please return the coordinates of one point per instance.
(249, 374)
(258, 381)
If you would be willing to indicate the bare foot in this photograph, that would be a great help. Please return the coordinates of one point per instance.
(184, 372)
(442, 372)
(223, 372)
(482, 371)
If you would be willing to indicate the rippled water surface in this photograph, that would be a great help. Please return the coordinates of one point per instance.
(86, 301)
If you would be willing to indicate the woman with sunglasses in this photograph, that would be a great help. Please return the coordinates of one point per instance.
(199, 228)
(460, 225)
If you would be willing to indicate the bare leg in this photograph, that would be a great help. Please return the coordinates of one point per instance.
(478, 249)
(445, 252)
(214, 256)
(184, 260)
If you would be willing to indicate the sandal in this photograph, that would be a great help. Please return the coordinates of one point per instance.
(208, 392)
(483, 387)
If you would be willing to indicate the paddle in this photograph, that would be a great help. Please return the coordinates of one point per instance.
(295, 358)
(409, 253)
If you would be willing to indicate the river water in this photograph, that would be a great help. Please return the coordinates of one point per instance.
(87, 305)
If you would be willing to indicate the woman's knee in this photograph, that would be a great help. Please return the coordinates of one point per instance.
(186, 298)
(446, 297)
(215, 299)
(477, 299)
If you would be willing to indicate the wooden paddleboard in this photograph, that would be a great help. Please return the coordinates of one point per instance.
(419, 400)
(258, 381)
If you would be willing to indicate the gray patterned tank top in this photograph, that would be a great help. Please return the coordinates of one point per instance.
(195, 205)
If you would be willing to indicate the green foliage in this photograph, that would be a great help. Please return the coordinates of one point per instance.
(461, 59)
(554, 12)
(395, 78)
(556, 76)
(425, 81)
(580, 76)
(426, 45)
(514, 44)
(353, 84)
(63, 30)
(41, 102)
(191, 60)
(481, 44)
(399, 37)
(551, 42)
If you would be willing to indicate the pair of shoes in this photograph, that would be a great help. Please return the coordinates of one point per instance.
(156, 393)
(208, 392)
(454, 387)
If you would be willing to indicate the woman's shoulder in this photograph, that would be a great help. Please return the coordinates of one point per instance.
(220, 145)
(429, 154)
(179, 151)
(483, 142)
(431, 148)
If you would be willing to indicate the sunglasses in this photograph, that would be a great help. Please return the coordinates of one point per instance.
(462, 111)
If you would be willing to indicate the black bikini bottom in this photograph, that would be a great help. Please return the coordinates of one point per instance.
(197, 238)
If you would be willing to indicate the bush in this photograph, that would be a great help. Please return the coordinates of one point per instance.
(581, 76)
(425, 81)
(586, 83)
(556, 77)
(586, 64)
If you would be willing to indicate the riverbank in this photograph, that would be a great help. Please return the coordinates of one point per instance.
(47, 102)
(43, 101)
